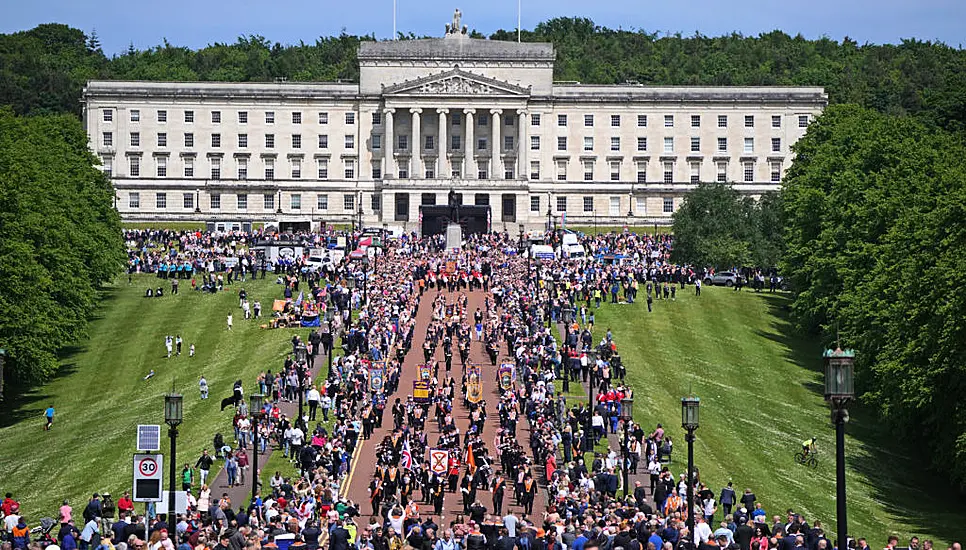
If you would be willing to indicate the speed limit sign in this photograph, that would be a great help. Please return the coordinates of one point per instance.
(148, 467)
(147, 478)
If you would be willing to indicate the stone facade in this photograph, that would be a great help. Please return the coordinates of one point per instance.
(482, 117)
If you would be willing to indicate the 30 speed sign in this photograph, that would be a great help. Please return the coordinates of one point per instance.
(147, 477)
(148, 467)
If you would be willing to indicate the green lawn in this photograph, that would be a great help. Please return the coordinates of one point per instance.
(760, 385)
(100, 395)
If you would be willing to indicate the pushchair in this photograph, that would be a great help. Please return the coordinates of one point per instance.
(41, 533)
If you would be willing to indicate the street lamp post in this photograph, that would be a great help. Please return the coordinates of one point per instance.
(589, 429)
(301, 355)
(3, 356)
(329, 315)
(550, 291)
(626, 414)
(689, 421)
(567, 313)
(365, 279)
(256, 402)
(173, 415)
(839, 391)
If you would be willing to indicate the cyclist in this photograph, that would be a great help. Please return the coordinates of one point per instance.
(808, 446)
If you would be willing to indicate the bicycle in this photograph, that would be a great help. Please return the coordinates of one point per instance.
(809, 460)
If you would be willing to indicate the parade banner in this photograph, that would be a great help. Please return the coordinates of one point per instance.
(425, 372)
(421, 391)
(474, 384)
(438, 461)
(377, 376)
(451, 267)
(506, 376)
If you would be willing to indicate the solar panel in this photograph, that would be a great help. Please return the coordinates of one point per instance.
(149, 437)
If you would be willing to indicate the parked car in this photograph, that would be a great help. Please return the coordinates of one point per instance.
(723, 278)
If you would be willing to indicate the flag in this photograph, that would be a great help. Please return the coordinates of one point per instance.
(470, 459)
(367, 241)
(299, 299)
(406, 457)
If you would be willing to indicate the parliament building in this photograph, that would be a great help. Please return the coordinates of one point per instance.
(481, 117)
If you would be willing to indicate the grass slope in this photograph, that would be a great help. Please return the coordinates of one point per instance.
(761, 388)
(100, 395)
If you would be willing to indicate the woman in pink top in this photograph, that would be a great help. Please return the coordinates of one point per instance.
(65, 512)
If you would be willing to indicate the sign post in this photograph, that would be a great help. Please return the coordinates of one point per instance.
(147, 477)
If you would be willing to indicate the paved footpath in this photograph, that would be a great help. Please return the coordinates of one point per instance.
(357, 484)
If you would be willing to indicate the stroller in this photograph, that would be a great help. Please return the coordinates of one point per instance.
(41, 533)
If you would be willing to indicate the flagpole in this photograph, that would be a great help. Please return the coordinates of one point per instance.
(394, 19)
(518, 19)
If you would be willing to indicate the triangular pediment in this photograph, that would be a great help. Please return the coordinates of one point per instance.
(455, 82)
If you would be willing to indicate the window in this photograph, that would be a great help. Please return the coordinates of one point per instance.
(242, 141)
(482, 173)
(108, 115)
(323, 118)
(161, 166)
(534, 170)
(615, 121)
(323, 141)
(668, 144)
(135, 115)
(776, 172)
(588, 120)
(456, 118)
(188, 200)
(161, 201)
(242, 168)
(641, 205)
(669, 121)
(189, 116)
(642, 144)
(642, 171)
(534, 119)
(297, 117)
(803, 121)
(722, 144)
(776, 121)
(107, 165)
(642, 121)
(269, 141)
(350, 169)
(507, 143)
(588, 170)
(402, 207)
(268, 201)
(189, 167)
(376, 202)
(695, 172)
(534, 143)
(134, 200)
(430, 143)
(615, 143)
(348, 202)
(269, 169)
(749, 145)
(749, 172)
(749, 121)
(403, 142)
(215, 141)
(456, 142)
(481, 144)
(508, 172)
(430, 172)
(482, 120)
(134, 166)
(296, 141)
(534, 204)
(695, 144)
(561, 120)
(162, 139)
(216, 117)
(242, 117)
(269, 117)
(350, 118)
(403, 168)
(722, 175)
(508, 120)
(668, 205)
(215, 168)
(561, 204)
(695, 121)
(614, 206)
(189, 139)
(615, 170)
(561, 170)
(376, 175)
(668, 172)
(376, 118)
(241, 200)
(722, 121)
(322, 202)
(562, 143)
(108, 139)
(323, 166)
(162, 116)
(376, 142)
(135, 139)
(588, 143)
(776, 145)
(296, 169)
(588, 204)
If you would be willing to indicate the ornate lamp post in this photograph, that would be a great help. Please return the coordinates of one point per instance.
(626, 414)
(365, 279)
(839, 391)
(689, 421)
(256, 402)
(589, 429)
(173, 415)
(567, 314)
(301, 355)
(329, 315)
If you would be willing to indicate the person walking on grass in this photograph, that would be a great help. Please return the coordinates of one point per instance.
(49, 415)
(229, 320)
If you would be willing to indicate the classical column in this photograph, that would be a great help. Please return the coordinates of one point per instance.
(416, 166)
(388, 148)
(468, 164)
(441, 145)
(522, 168)
(495, 143)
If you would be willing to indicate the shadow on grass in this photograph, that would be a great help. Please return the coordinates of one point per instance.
(895, 474)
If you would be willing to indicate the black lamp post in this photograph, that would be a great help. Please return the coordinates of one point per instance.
(839, 391)
(329, 314)
(589, 429)
(173, 415)
(365, 279)
(301, 356)
(567, 314)
(520, 240)
(626, 414)
(255, 403)
(359, 226)
(689, 421)
(550, 288)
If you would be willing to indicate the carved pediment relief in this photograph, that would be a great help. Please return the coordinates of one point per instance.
(455, 82)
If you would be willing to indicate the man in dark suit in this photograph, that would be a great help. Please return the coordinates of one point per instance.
(611, 479)
(727, 498)
(339, 537)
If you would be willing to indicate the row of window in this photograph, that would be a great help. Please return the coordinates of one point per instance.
(161, 168)
(614, 205)
(189, 116)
